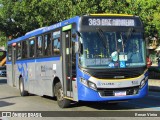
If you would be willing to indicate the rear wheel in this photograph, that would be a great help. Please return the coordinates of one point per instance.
(62, 102)
(21, 88)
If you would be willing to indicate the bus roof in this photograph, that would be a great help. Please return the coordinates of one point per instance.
(44, 29)
(60, 24)
(117, 15)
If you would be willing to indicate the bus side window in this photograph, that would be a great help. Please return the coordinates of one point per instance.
(39, 46)
(9, 53)
(24, 49)
(47, 45)
(56, 43)
(74, 34)
(31, 48)
(19, 51)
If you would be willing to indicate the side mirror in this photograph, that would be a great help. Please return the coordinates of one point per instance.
(76, 47)
(81, 48)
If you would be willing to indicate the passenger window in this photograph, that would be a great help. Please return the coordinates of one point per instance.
(47, 45)
(24, 49)
(19, 51)
(9, 53)
(74, 34)
(39, 46)
(56, 43)
(31, 48)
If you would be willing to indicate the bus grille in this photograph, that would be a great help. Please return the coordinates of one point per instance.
(111, 91)
(112, 73)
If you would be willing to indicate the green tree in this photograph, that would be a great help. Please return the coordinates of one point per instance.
(148, 10)
(20, 16)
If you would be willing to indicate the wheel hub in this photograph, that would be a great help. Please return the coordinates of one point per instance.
(60, 95)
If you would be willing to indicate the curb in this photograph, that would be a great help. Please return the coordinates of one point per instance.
(154, 84)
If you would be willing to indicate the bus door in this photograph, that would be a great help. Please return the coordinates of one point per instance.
(68, 65)
(13, 64)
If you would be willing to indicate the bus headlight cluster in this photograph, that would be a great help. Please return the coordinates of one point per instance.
(84, 82)
(143, 82)
(88, 83)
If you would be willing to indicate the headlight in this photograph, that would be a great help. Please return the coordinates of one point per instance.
(84, 82)
(92, 85)
(146, 78)
(88, 84)
(143, 82)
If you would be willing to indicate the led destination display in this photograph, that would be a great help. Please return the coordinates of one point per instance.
(110, 21)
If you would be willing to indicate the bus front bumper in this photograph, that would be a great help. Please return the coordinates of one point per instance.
(88, 94)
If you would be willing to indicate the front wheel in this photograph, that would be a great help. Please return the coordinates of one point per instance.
(21, 88)
(62, 102)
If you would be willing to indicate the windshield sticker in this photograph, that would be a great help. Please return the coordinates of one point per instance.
(111, 65)
(114, 56)
(116, 64)
(105, 61)
(135, 64)
(97, 61)
(122, 64)
(90, 62)
(123, 58)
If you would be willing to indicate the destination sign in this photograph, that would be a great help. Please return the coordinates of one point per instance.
(110, 22)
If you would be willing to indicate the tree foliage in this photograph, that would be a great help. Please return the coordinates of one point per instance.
(148, 10)
(20, 16)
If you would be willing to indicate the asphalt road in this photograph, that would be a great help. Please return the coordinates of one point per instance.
(10, 100)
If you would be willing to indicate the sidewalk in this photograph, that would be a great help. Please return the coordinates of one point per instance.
(154, 84)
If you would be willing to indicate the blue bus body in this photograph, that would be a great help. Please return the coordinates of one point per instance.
(81, 59)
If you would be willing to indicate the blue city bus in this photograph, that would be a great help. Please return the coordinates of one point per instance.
(96, 57)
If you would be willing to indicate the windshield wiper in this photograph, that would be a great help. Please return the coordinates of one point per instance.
(128, 35)
(129, 32)
(102, 36)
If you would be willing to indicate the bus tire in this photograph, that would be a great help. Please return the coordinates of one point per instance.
(21, 88)
(62, 102)
(115, 103)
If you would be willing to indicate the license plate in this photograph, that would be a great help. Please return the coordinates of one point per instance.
(120, 93)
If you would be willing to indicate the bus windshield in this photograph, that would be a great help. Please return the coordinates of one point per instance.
(102, 49)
